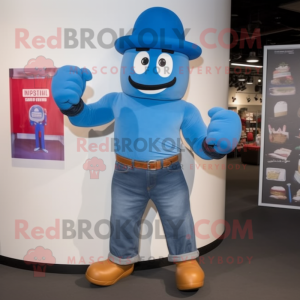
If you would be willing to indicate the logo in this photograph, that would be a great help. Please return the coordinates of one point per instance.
(40, 62)
(39, 258)
(94, 165)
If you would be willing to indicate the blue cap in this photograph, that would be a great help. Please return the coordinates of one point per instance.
(158, 28)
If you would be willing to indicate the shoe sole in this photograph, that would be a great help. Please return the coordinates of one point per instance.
(193, 286)
(111, 282)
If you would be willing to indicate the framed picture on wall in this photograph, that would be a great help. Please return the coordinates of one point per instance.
(37, 127)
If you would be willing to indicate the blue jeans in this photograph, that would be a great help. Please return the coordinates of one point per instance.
(131, 190)
(39, 128)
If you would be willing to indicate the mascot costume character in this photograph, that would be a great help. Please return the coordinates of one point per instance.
(149, 115)
(38, 118)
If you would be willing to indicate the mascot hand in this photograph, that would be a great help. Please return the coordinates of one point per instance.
(224, 130)
(68, 85)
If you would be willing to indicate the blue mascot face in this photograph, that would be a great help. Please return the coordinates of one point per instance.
(156, 56)
(156, 74)
(36, 113)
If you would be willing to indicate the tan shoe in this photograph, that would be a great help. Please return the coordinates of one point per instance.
(106, 272)
(189, 275)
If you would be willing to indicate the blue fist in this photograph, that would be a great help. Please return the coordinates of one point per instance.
(68, 85)
(224, 130)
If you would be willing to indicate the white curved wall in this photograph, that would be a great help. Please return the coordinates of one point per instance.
(42, 195)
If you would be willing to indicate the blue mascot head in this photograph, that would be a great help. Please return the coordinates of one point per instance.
(36, 113)
(156, 56)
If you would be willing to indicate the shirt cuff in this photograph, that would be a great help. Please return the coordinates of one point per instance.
(74, 110)
(210, 151)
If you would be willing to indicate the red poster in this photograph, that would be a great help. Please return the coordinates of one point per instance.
(37, 128)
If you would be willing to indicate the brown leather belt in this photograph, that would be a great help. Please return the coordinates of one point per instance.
(147, 165)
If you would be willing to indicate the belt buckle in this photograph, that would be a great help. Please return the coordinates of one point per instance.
(148, 165)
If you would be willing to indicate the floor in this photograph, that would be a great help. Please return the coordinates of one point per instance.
(23, 148)
(266, 266)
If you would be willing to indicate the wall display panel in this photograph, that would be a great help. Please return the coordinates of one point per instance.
(280, 155)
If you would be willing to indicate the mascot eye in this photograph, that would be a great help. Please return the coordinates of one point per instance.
(162, 62)
(164, 65)
(145, 61)
(141, 62)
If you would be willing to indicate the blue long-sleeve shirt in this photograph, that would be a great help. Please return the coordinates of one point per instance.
(146, 129)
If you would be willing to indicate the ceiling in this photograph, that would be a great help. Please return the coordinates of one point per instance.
(277, 20)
